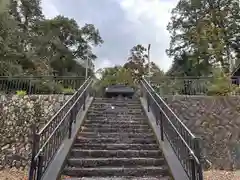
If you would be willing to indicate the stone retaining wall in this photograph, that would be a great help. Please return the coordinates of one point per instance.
(17, 114)
(217, 121)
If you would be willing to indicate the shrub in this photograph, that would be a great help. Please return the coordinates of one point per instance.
(68, 91)
(48, 87)
(21, 93)
(236, 90)
(221, 86)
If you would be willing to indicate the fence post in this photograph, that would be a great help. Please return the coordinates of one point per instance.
(30, 87)
(148, 105)
(161, 126)
(70, 124)
(75, 111)
(40, 166)
(34, 152)
(84, 100)
(193, 169)
(157, 116)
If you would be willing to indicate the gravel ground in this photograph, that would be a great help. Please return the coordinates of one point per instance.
(13, 174)
(221, 175)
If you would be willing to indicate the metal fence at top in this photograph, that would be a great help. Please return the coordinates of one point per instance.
(196, 85)
(40, 84)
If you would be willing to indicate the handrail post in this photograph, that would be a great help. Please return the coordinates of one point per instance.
(34, 152)
(148, 105)
(74, 113)
(193, 168)
(84, 101)
(161, 126)
(197, 151)
(40, 166)
(70, 124)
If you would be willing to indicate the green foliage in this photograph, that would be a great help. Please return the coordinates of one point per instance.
(136, 61)
(68, 91)
(33, 45)
(48, 87)
(221, 86)
(117, 75)
(204, 43)
(112, 76)
(204, 34)
(21, 93)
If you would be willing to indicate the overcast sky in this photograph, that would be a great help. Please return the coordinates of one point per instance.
(122, 24)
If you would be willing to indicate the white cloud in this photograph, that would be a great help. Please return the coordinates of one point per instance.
(154, 12)
(103, 63)
(49, 10)
(122, 24)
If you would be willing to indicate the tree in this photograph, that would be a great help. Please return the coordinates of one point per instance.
(156, 73)
(33, 45)
(206, 31)
(64, 41)
(183, 66)
(11, 52)
(136, 61)
(112, 76)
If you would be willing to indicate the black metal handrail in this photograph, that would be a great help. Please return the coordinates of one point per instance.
(47, 141)
(184, 143)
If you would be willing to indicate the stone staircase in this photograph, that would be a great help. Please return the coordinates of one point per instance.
(116, 142)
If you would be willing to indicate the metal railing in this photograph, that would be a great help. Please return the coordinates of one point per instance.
(40, 84)
(192, 85)
(47, 141)
(183, 142)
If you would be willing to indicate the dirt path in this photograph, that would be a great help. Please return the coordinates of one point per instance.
(13, 174)
(221, 175)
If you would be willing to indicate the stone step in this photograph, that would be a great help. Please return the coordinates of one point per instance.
(116, 140)
(125, 109)
(118, 112)
(116, 153)
(119, 118)
(116, 171)
(114, 129)
(121, 146)
(114, 162)
(109, 121)
(116, 135)
(137, 101)
(109, 107)
(114, 116)
(113, 112)
(129, 125)
(119, 178)
(116, 104)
